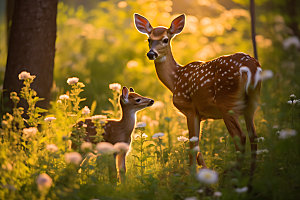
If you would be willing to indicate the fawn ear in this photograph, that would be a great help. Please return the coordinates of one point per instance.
(142, 24)
(131, 89)
(177, 25)
(125, 93)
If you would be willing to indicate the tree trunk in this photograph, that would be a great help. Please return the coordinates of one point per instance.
(31, 48)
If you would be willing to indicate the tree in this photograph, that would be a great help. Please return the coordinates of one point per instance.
(31, 47)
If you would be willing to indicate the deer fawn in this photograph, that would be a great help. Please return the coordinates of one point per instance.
(222, 88)
(120, 130)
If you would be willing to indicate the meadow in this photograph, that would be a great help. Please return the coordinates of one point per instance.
(36, 158)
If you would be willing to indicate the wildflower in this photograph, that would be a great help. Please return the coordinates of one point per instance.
(261, 151)
(121, 147)
(158, 105)
(291, 41)
(7, 167)
(200, 191)
(29, 132)
(86, 146)
(115, 87)
(191, 198)
(286, 133)
(51, 147)
(64, 97)
(196, 149)
(260, 139)
(207, 176)
(292, 97)
(86, 110)
(49, 119)
(44, 181)
(194, 139)
(59, 101)
(158, 135)
(122, 4)
(293, 102)
(4, 124)
(81, 85)
(217, 194)
(266, 74)
(132, 64)
(73, 157)
(105, 148)
(182, 139)
(140, 125)
(136, 136)
(73, 80)
(24, 75)
(241, 190)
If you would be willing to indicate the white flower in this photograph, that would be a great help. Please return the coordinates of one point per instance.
(261, 151)
(293, 102)
(24, 75)
(182, 139)
(73, 157)
(241, 190)
(144, 135)
(291, 41)
(121, 147)
(136, 136)
(49, 119)
(51, 147)
(44, 181)
(157, 105)
(59, 101)
(140, 125)
(86, 146)
(64, 97)
(86, 110)
(29, 132)
(105, 148)
(217, 194)
(190, 198)
(260, 139)
(207, 176)
(73, 80)
(158, 135)
(194, 139)
(196, 149)
(115, 86)
(200, 191)
(266, 74)
(286, 133)
(292, 96)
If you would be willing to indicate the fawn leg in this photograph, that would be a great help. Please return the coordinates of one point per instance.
(120, 161)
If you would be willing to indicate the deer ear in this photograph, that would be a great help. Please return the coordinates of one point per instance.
(142, 24)
(131, 89)
(125, 94)
(177, 25)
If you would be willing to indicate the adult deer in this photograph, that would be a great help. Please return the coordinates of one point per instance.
(222, 88)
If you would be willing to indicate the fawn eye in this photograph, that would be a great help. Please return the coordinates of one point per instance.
(138, 100)
(166, 40)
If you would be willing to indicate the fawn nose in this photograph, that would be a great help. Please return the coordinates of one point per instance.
(151, 102)
(152, 55)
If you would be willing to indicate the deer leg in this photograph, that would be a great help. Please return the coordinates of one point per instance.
(234, 129)
(193, 122)
(252, 137)
(120, 162)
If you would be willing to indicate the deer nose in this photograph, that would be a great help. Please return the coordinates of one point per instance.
(151, 102)
(152, 55)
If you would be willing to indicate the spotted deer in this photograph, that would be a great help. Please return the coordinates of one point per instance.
(222, 88)
(120, 130)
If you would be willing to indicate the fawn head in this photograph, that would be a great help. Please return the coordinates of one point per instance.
(133, 101)
(159, 37)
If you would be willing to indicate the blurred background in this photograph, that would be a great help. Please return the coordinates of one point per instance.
(97, 42)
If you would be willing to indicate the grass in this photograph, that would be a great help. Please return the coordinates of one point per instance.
(157, 168)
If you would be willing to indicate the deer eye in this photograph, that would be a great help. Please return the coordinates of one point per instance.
(165, 40)
(138, 100)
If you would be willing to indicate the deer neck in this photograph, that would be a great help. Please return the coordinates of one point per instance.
(166, 69)
(128, 121)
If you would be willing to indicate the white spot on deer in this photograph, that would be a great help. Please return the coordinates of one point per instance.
(219, 79)
(178, 93)
(230, 77)
(186, 74)
(247, 70)
(230, 60)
